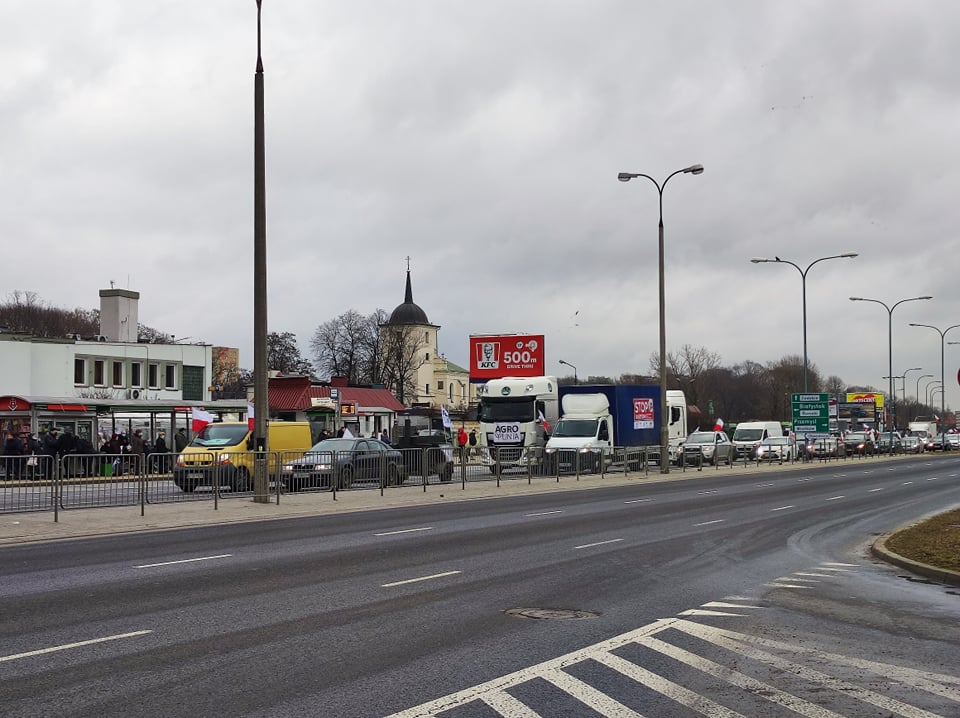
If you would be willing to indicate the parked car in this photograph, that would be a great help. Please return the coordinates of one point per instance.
(778, 448)
(825, 447)
(860, 443)
(708, 447)
(913, 444)
(929, 442)
(341, 462)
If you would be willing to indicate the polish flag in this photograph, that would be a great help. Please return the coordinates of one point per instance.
(719, 425)
(250, 416)
(543, 421)
(199, 419)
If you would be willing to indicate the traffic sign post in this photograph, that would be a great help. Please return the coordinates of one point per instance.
(811, 414)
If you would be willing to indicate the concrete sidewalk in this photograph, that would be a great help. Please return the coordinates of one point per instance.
(77, 523)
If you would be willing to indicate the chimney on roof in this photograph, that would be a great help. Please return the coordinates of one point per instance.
(118, 315)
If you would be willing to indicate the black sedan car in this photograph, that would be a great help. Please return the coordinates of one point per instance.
(860, 443)
(341, 462)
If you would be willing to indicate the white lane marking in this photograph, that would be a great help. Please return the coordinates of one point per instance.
(544, 513)
(763, 486)
(704, 493)
(724, 604)
(811, 573)
(795, 577)
(835, 570)
(420, 578)
(404, 531)
(599, 543)
(637, 501)
(707, 523)
(786, 585)
(186, 560)
(706, 612)
(838, 563)
(873, 491)
(67, 646)
(835, 498)
(783, 508)
(933, 478)
(906, 483)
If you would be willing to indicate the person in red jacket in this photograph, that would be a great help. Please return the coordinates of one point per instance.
(462, 442)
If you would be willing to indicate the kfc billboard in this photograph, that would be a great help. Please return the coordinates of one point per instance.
(499, 355)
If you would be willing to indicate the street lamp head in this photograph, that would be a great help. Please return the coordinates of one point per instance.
(694, 169)
(924, 297)
(857, 299)
(625, 176)
(850, 255)
(759, 260)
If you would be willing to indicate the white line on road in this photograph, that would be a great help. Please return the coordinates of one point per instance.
(932, 478)
(835, 498)
(707, 523)
(834, 563)
(598, 543)
(544, 513)
(763, 486)
(637, 501)
(873, 491)
(78, 644)
(186, 560)
(704, 493)
(421, 578)
(404, 531)
(906, 483)
(782, 508)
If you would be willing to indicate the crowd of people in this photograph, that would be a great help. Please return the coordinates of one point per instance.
(27, 455)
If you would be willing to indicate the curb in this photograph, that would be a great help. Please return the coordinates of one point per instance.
(879, 550)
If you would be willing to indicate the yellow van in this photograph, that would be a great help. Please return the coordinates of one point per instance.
(223, 452)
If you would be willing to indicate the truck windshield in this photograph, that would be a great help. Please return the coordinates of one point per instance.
(575, 427)
(748, 435)
(493, 410)
(221, 435)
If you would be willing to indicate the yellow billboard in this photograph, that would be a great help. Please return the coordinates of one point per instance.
(865, 398)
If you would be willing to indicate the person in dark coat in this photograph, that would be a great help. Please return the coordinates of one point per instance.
(180, 440)
(161, 465)
(12, 456)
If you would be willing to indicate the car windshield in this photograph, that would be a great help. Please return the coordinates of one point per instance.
(221, 435)
(748, 435)
(700, 438)
(857, 436)
(333, 445)
(575, 427)
(493, 410)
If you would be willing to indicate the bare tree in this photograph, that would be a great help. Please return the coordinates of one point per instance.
(348, 346)
(402, 347)
(834, 385)
(283, 354)
(26, 313)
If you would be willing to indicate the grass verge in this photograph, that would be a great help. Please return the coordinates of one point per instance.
(935, 541)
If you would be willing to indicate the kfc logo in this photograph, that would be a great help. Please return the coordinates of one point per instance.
(488, 355)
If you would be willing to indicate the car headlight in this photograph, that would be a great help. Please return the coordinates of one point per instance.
(551, 450)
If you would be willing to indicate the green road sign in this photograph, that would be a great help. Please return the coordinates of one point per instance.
(811, 413)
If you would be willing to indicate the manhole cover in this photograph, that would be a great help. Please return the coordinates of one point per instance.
(553, 613)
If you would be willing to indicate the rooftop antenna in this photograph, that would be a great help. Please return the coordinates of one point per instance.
(111, 284)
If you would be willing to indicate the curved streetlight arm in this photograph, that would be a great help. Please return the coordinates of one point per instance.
(943, 396)
(922, 376)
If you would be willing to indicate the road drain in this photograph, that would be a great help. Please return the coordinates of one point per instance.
(550, 613)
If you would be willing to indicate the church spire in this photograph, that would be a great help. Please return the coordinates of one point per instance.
(408, 297)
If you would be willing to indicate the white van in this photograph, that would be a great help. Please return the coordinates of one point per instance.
(749, 434)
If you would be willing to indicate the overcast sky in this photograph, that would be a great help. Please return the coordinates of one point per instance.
(484, 141)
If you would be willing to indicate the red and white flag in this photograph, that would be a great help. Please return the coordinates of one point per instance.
(250, 417)
(719, 425)
(199, 419)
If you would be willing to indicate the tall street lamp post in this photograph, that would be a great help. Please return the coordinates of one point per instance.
(664, 416)
(904, 377)
(803, 281)
(890, 308)
(922, 376)
(566, 363)
(943, 397)
(261, 405)
(928, 391)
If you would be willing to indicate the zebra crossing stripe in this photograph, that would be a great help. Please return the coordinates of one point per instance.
(508, 706)
(667, 688)
(589, 696)
(846, 688)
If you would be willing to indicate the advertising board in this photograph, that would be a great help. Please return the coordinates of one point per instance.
(499, 355)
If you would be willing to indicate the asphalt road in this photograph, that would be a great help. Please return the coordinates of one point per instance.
(724, 596)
